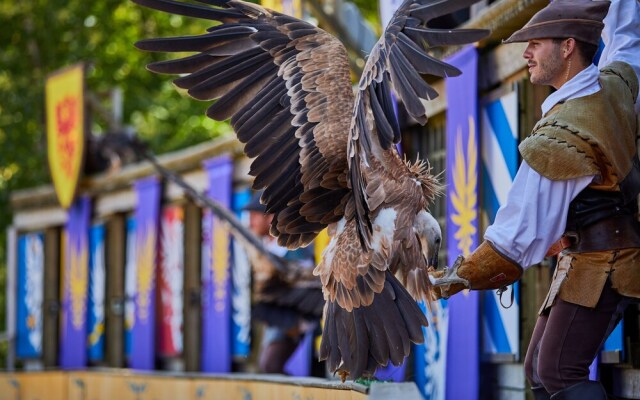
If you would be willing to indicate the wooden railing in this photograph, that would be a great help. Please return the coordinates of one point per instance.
(108, 384)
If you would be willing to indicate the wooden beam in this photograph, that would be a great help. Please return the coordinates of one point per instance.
(178, 161)
(51, 296)
(115, 260)
(196, 179)
(39, 218)
(500, 64)
(115, 202)
(192, 286)
(495, 67)
(504, 17)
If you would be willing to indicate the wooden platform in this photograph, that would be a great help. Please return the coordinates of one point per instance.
(110, 384)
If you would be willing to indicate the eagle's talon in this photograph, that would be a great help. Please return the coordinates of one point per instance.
(443, 279)
(448, 277)
(342, 374)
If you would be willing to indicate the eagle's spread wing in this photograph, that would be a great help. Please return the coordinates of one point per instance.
(286, 86)
(370, 318)
(399, 60)
(327, 159)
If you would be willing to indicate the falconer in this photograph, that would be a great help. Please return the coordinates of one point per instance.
(575, 193)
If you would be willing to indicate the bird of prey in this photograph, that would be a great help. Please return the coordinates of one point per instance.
(327, 157)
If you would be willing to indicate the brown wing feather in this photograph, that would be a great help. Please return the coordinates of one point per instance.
(398, 61)
(286, 87)
(357, 289)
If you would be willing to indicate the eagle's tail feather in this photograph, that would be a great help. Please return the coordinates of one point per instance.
(356, 342)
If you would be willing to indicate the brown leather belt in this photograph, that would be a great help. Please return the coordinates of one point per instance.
(619, 232)
(558, 246)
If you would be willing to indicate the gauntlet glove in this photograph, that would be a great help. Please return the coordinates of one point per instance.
(483, 269)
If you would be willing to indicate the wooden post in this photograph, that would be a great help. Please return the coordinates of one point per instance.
(114, 307)
(51, 297)
(192, 286)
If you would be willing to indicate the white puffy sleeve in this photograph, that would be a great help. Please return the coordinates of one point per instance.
(621, 36)
(534, 215)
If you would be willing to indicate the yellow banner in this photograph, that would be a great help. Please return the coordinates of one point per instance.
(275, 5)
(289, 7)
(65, 130)
(319, 244)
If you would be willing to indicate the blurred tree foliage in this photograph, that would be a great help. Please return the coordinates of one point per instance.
(41, 36)
(370, 11)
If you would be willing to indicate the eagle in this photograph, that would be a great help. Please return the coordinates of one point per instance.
(325, 154)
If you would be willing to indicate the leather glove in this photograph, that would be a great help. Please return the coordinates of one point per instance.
(484, 269)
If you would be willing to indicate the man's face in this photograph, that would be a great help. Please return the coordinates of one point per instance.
(260, 222)
(545, 61)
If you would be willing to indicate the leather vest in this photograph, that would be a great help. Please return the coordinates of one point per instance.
(590, 135)
(595, 135)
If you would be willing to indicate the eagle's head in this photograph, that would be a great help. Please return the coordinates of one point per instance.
(428, 231)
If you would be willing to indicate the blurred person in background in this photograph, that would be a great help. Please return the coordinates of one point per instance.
(288, 303)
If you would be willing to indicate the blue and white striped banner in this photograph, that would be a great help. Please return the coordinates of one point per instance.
(499, 149)
(431, 356)
(30, 295)
(130, 272)
(97, 289)
(241, 284)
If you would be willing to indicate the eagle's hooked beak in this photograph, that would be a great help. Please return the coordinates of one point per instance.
(433, 261)
(430, 235)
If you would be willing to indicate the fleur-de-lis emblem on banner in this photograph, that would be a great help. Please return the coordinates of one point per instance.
(220, 263)
(78, 282)
(146, 264)
(465, 194)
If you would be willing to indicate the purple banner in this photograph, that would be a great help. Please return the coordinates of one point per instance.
(463, 353)
(73, 335)
(216, 271)
(299, 364)
(392, 373)
(147, 217)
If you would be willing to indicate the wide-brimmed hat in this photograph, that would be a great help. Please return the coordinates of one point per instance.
(562, 19)
(254, 204)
